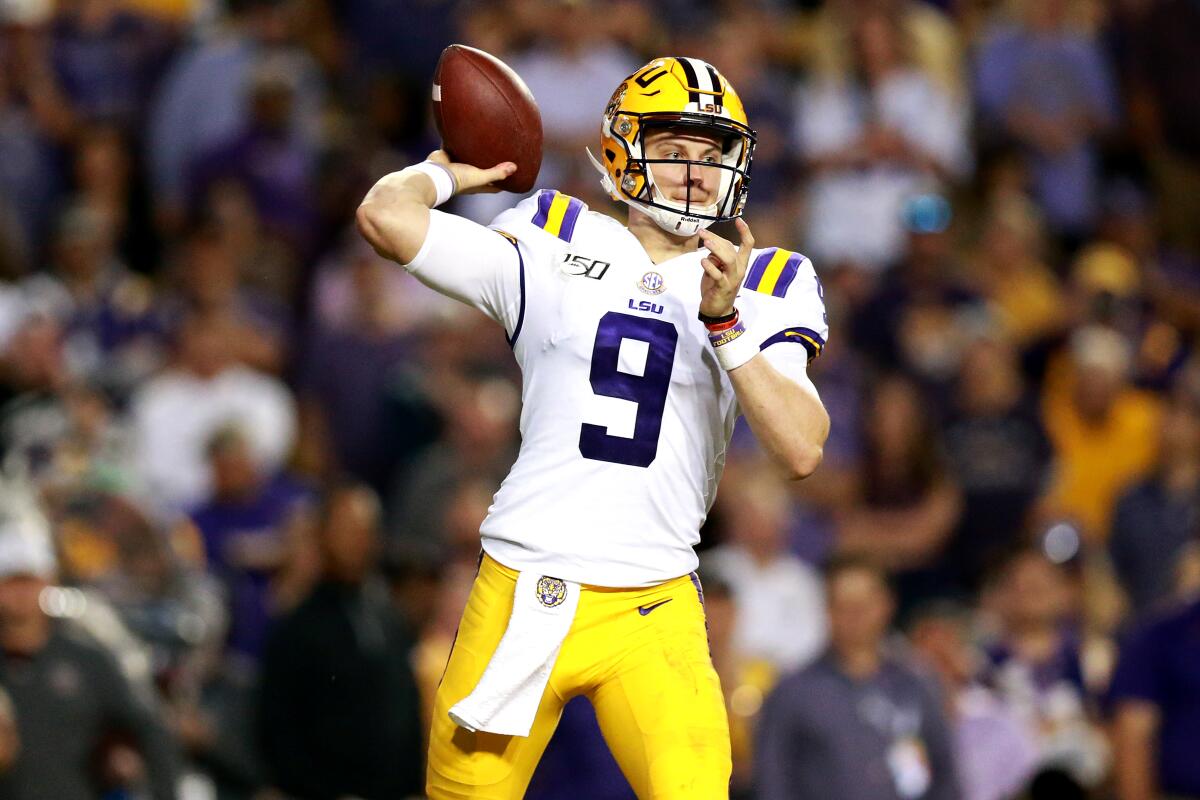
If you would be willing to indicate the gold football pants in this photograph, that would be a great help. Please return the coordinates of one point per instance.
(639, 655)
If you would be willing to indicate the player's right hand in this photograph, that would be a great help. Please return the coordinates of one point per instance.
(473, 180)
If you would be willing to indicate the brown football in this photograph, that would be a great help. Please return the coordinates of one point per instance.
(486, 114)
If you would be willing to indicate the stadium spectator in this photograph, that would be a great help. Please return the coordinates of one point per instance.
(872, 138)
(112, 334)
(107, 178)
(906, 501)
(29, 179)
(937, 47)
(339, 707)
(1103, 430)
(105, 59)
(1057, 122)
(1156, 520)
(1165, 113)
(997, 448)
(860, 722)
(779, 598)
(68, 695)
(32, 414)
(203, 99)
(996, 751)
(266, 157)
(1155, 699)
(175, 414)
(1036, 665)
(1009, 270)
(479, 443)
(361, 354)
(922, 310)
(209, 279)
(246, 528)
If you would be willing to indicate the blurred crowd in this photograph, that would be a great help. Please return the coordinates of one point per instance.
(244, 461)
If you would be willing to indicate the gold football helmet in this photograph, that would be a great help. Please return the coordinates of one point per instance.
(675, 93)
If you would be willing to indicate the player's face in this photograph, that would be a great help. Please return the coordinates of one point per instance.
(675, 182)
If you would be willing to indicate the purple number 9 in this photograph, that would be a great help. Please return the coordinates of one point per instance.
(648, 390)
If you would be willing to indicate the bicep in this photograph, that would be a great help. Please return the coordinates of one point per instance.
(474, 265)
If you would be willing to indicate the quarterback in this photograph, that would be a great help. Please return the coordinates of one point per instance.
(639, 346)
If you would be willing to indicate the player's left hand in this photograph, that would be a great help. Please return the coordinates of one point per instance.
(724, 269)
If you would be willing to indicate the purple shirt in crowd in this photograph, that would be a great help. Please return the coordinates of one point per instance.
(225, 526)
(1160, 664)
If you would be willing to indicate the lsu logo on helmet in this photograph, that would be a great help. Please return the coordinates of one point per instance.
(675, 93)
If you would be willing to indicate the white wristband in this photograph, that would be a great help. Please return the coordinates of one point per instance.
(732, 346)
(443, 180)
(733, 354)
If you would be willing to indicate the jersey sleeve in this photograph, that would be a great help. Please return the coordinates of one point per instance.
(473, 264)
(792, 326)
(542, 221)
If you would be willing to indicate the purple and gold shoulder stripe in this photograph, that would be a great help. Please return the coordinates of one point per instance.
(810, 339)
(773, 271)
(557, 213)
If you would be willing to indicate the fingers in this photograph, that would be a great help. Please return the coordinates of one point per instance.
(747, 238)
(721, 249)
(711, 269)
(502, 171)
(472, 180)
(488, 177)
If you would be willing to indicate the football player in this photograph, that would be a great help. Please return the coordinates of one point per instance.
(639, 346)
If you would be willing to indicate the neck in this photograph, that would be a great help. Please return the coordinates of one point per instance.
(659, 244)
(859, 662)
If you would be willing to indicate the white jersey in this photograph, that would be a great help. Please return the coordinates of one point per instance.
(626, 413)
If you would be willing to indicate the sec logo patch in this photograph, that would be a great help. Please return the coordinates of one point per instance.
(652, 283)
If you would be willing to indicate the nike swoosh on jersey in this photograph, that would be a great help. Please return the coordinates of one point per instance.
(644, 610)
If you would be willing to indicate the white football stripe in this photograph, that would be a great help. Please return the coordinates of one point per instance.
(437, 93)
(703, 78)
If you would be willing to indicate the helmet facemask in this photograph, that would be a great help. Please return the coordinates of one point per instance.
(680, 215)
(636, 186)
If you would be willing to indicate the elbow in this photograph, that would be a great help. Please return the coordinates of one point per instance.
(366, 218)
(395, 229)
(803, 462)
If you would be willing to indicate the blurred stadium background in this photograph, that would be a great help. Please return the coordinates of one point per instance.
(247, 460)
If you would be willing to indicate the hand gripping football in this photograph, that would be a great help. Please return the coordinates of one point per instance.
(486, 114)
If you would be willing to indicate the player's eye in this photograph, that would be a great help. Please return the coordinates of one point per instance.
(675, 154)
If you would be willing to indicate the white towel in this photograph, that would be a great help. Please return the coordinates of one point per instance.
(506, 699)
